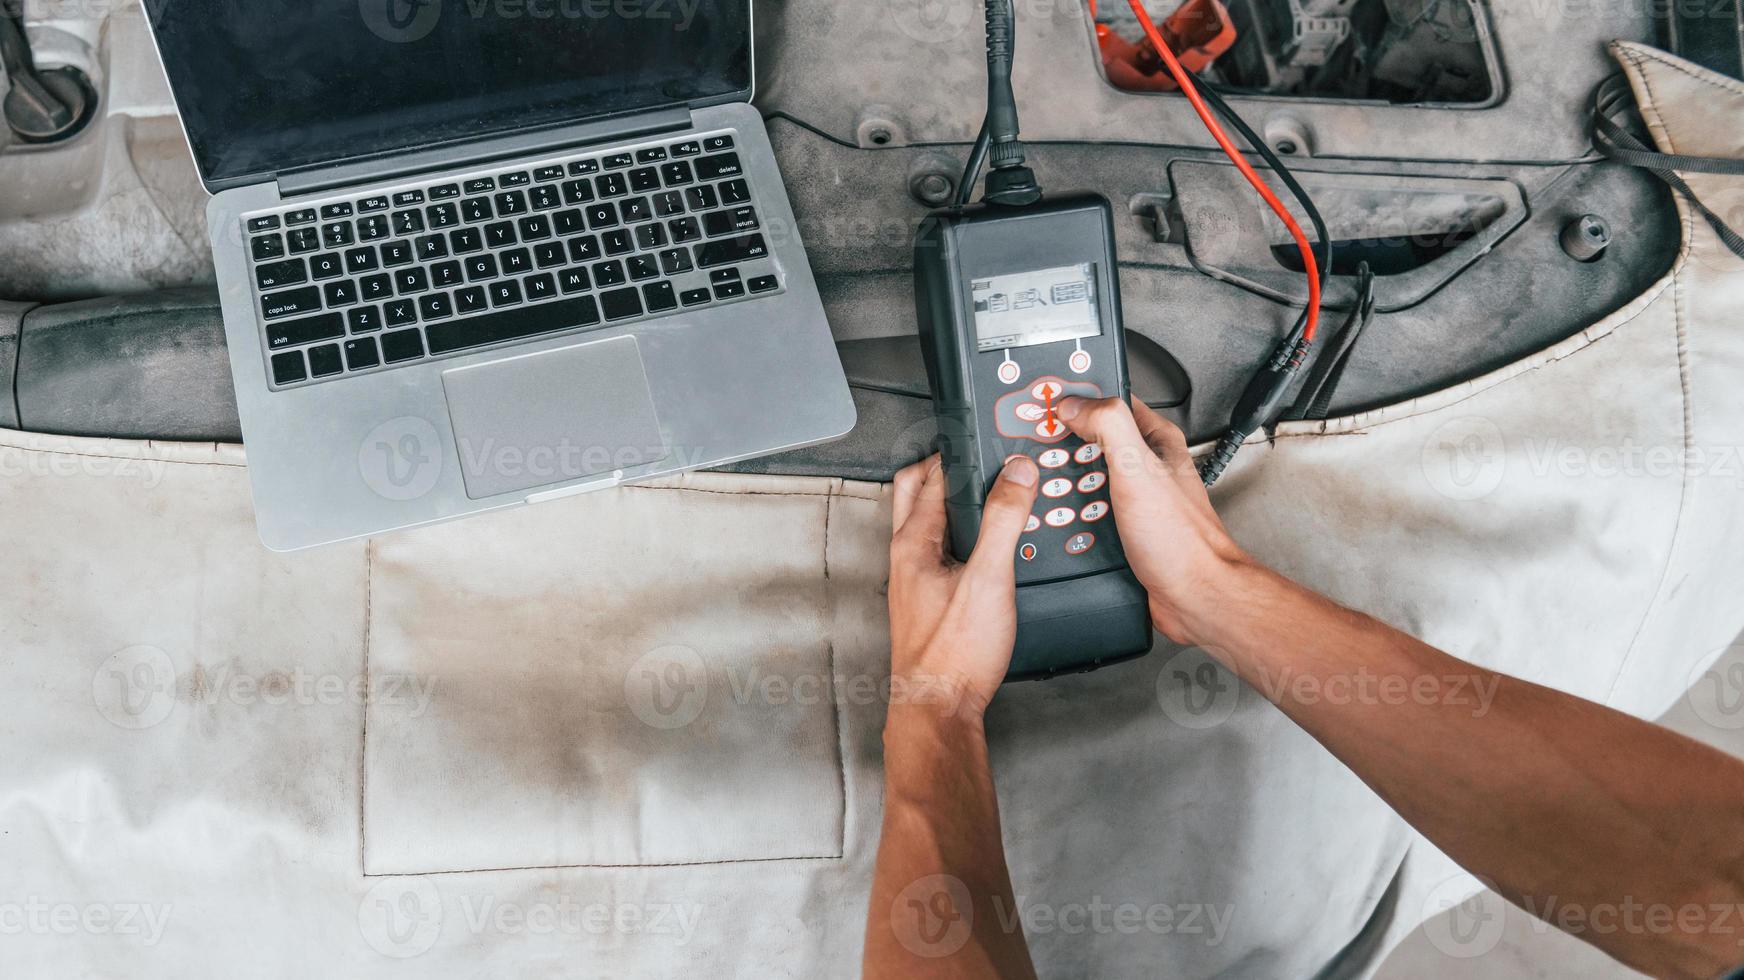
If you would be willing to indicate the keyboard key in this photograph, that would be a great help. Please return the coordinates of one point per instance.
(361, 354)
(288, 368)
(324, 361)
(620, 304)
(480, 268)
(396, 253)
(276, 275)
(377, 203)
(634, 210)
(364, 319)
(702, 198)
(465, 240)
(265, 247)
(445, 274)
(617, 241)
(727, 222)
(574, 280)
(582, 167)
(529, 321)
(290, 302)
(735, 192)
(516, 261)
(326, 265)
(644, 179)
(340, 210)
(341, 293)
(763, 284)
(675, 260)
(618, 161)
(435, 306)
(642, 267)
(653, 154)
(372, 228)
(500, 235)
(302, 216)
(725, 275)
(517, 179)
(442, 215)
(478, 185)
(718, 166)
(477, 209)
(401, 312)
(715, 143)
(584, 249)
(729, 290)
(544, 197)
(511, 203)
(650, 237)
(296, 333)
(408, 222)
(602, 216)
(609, 273)
(695, 297)
(676, 173)
(413, 280)
(731, 250)
(404, 345)
(548, 254)
(548, 173)
(469, 300)
(263, 223)
(569, 222)
(541, 286)
(376, 287)
(443, 192)
(684, 229)
(535, 227)
(337, 234)
(577, 191)
(432, 247)
(505, 292)
(360, 260)
(688, 148)
(405, 199)
(659, 297)
(668, 203)
(611, 185)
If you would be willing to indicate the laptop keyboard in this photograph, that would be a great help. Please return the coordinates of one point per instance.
(380, 281)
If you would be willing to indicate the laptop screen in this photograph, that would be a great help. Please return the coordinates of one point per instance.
(266, 86)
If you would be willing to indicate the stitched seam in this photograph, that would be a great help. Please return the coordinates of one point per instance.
(363, 735)
(830, 665)
(1639, 54)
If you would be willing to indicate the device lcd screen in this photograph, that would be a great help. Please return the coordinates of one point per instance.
(266, 86)
(1041, 307)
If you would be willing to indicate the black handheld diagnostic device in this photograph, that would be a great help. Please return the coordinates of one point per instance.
(1018, 308)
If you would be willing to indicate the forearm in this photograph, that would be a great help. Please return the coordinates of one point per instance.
(941, 850)
(1549, 797)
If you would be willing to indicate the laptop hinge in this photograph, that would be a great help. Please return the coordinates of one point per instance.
(316, 179)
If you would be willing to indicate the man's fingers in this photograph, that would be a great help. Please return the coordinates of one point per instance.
(1003, 517)
(1110, 424)
(923, 529)
(907, 487)
(1167, 440)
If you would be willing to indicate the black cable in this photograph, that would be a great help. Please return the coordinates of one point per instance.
(972, 170)
(1010, 182)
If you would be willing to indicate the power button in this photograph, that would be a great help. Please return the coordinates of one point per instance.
(1027, 552)
(1079, 361)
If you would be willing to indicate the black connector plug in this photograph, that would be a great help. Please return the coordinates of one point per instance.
(1261, 402)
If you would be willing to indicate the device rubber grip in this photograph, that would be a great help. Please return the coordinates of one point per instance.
(1079, 625)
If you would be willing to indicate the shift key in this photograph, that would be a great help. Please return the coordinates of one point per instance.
(290, 302)
(730, 250)
(305, 331)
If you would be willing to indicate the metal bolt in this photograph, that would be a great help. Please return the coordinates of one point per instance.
(1586, 238)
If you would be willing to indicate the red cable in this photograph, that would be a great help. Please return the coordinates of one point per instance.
(1185, 81)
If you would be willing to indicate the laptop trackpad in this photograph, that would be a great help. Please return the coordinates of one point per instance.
(553, 417)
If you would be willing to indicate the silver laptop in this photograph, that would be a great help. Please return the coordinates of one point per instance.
(476, 253)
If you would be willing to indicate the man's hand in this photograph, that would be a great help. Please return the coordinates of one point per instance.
(1173, 540)
(953, 624)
